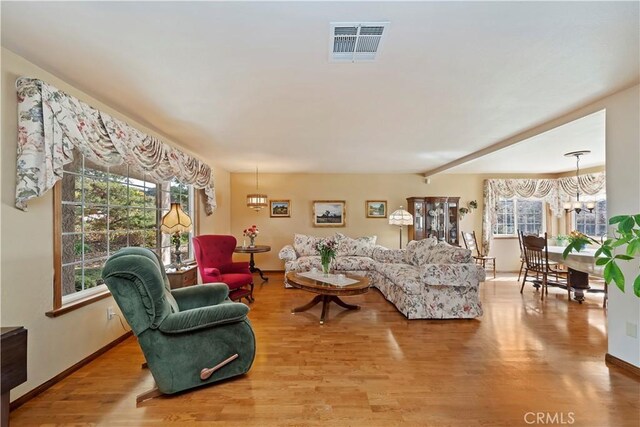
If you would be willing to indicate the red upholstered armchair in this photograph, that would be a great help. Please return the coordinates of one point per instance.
(214, 256)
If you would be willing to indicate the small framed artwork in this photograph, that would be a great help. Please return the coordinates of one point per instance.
(376, 208)
(280, 208)
(329, 213)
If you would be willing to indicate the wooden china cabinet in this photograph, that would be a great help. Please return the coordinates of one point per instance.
(434, 216)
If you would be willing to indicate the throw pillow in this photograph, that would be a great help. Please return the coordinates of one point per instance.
(418, 251)
(362, 246)
(305, 245)
(444, 253)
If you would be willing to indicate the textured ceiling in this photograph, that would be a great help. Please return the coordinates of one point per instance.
(245, 84)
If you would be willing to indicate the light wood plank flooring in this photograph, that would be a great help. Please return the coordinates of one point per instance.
(373, 367)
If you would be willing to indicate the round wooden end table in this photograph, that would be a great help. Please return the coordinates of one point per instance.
(327, 292)
(253, 250)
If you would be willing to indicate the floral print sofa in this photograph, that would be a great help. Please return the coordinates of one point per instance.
(427, 280)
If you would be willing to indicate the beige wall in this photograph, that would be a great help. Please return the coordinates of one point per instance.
(623, 197)
(27, 252)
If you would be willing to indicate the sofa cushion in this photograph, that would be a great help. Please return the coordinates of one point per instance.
(362, 246)
(404, 276)
(419, 251)
(444, 253)
(354, 263)
(306, 245)
(306, 263)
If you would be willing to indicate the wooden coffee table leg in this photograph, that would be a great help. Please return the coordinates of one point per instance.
(306, 307)
(343, 304)
(326, 299)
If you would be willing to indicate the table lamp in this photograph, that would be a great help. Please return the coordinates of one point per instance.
(175, 222)
(400, 217)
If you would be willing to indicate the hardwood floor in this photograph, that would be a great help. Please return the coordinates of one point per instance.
(372, 367)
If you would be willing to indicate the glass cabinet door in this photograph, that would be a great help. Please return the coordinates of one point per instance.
(434, 217)
(452, 229)
(418, 217)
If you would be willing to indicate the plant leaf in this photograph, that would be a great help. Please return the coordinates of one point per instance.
(637, 218)
(602, 261)
(616, 219)
(567, 251)
(623, 257)
(634, 246)
(621, 241)
(636, 286)
(627, 225)
(616, 275)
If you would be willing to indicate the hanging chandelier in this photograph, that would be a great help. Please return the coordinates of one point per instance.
(577, 206)
(257, 201)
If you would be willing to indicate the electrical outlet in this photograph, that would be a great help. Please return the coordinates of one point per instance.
(110, 313)
(632, 330)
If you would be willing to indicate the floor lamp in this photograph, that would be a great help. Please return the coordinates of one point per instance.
(401, 218)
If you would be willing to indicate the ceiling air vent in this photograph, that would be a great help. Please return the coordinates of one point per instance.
(356, 41)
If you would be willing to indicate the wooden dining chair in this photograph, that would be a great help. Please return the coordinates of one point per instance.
(471, 243)
(528, 276)
(537, 260)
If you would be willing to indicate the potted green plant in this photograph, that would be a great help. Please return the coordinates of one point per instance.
(626, 236)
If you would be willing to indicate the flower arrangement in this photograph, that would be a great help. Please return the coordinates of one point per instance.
(579, 240)
(473, 204)
(327, 248)
(627, 234)
(463, 211)
(251, 232)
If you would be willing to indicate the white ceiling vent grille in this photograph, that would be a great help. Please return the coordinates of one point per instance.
(356, 41)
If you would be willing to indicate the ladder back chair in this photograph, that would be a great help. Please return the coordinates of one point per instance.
(537, 260)
(535, 279)
(471, 243)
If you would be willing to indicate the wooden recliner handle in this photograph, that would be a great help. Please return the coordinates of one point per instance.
(205, 373)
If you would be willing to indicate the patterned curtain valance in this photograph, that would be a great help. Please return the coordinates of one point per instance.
(590, 184)
(51, 124)
(553, 191)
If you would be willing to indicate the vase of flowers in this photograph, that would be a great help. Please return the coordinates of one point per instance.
(578, 240)
(327, 248)
(251, 232)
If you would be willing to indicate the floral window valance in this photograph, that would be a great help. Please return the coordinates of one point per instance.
(51, 124)
(554, 191)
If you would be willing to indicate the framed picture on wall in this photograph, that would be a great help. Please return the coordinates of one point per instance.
(280, 208)
(329, 213)
(376, 208)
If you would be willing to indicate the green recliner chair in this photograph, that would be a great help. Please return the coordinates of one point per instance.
(190, 336)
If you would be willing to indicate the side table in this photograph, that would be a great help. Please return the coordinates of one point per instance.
(184, 277)
(251, 250)
(13, 349)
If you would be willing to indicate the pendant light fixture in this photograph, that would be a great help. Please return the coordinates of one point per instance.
(257, 201)
(577, 205)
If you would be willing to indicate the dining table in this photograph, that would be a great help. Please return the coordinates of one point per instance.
(580, 265)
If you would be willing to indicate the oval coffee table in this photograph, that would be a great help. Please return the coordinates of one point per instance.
(327, 292)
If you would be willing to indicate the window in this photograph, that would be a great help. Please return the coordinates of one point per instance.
(592, 223)
(526, 215)
(102, 209)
